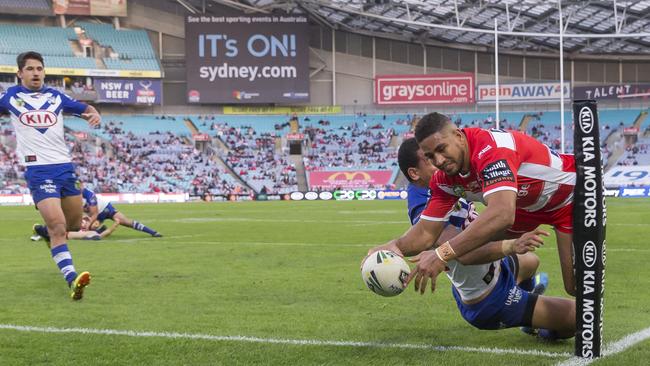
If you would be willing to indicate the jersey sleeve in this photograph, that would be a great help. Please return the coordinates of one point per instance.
(4, 99)
(497, 167)
(441, 203)
(90, 197)
(415, 212)
(71, 105)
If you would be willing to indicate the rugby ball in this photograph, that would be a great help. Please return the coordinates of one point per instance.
(385, 272)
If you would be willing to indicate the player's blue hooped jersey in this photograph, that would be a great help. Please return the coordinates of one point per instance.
(417, 201)
(37, 117)
(89, 198)
(104, 207)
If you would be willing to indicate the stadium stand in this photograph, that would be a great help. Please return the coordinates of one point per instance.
(137, 155)
(128, 49)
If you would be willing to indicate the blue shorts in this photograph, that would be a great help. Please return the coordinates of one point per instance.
(54, 180)
(107, 213)
(506, 306)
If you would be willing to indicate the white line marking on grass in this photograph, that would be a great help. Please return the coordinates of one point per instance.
(295, 342)
(194, 220)
(611, 349)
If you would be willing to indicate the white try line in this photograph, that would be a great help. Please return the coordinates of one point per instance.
(294, 342)
(611, 349)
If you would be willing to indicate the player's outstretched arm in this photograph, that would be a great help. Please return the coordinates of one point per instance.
(110, 230)
(495, 219)
(415, 240)
(76, 235)
(499, 215)
(496, 250)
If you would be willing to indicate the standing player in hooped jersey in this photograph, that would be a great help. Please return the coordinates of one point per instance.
(522, 181)
(37, 115)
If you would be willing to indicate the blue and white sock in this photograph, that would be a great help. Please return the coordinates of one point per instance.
(141, 227)
(63, 260)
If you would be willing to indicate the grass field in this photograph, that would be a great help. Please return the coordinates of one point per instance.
(276, 283)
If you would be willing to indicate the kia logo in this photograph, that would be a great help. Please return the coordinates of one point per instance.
(38, 119)
(589, 254)
(297, 196)
(586, 119)
(311, 196)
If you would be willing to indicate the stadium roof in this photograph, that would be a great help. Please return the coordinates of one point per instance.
(448, 21)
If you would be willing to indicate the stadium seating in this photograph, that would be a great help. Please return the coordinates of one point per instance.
(32, 7)
(148, 152)
(129, 43)
(50, 41)
(132, 46)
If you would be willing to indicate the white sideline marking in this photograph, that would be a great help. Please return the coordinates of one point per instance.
(611, 349)
(194, 220)
(296, 342)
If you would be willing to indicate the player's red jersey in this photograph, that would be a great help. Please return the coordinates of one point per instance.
(509, 160)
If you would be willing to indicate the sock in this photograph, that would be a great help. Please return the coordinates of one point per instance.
(63, 260)
(141, 227)
(42, 231)
(527, 284)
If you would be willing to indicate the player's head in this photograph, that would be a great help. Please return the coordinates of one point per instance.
(413, 164)
(85, 223)
(31, 70)
(442, 143)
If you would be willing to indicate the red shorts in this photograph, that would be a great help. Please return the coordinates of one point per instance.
(561, 219)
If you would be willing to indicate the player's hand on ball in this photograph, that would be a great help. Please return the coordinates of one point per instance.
(389, 246)
(529, 241)
(429, 267)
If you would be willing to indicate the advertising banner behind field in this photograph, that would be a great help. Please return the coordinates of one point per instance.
(530, 92)
(129, 91)
(90, 7)
(612, 91)
(307, 109)
(247, 59)
(333, 179)
(628, 176)
(425, 89)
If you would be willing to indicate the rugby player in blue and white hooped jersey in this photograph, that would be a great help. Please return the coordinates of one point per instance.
(36, 113)
(493, 285)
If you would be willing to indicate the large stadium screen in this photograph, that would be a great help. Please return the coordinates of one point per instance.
(247, 59)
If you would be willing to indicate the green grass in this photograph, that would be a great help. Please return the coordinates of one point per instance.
(285, 270)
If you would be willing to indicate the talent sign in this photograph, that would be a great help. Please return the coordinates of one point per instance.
(612, 91)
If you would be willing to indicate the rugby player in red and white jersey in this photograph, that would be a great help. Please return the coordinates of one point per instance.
(523, 183)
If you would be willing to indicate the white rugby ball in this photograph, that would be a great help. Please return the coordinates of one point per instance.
(385, 272)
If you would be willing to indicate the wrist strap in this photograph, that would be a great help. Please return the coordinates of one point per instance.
(507, 247)
(445, 252)
(439, 256)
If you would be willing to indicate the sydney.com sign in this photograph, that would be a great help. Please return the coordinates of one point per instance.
(529, 92)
